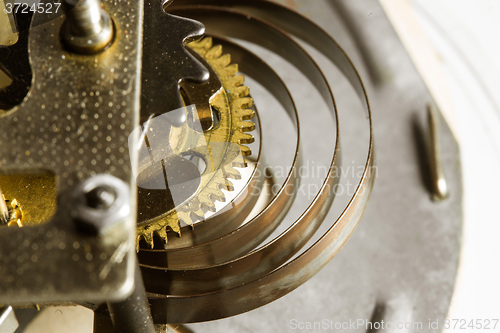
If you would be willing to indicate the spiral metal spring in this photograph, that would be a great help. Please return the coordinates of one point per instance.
(196, 280)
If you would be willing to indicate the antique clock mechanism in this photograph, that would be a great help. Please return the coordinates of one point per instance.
(153, 169)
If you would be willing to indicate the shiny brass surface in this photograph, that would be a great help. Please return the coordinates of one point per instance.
(8, 35)
(31, 197)
(222, 147)
(75, 122)
(228, 276)
(237, 241)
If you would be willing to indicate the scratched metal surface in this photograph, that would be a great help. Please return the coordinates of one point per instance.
(75, 123)
(400, 264)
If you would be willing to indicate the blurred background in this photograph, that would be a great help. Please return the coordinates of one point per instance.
(463, 38)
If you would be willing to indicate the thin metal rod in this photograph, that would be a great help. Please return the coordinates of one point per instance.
(439, 184)
(133, 315)
(85, 16)
(88, 29)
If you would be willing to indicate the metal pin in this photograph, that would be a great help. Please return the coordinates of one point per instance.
(88, 29)
(439, 184)
(4, 210)
(133, 315)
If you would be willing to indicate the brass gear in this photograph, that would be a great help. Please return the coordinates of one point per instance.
(223, 148)
(16, 213)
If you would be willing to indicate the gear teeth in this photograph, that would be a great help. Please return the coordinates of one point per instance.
(243, 103)
(196, 217)
(246, 114)
(207, 204)
(138, 239)
(16, 213)
(241, 91)
(237, 80)
(244, 138)
(147, 232)
(185, 217)
(239, 162)
(213, 191)
(208, 44)
(246, 126)
(204, 43)
(224, 60)
(174, 224)
(189, 214)
(236, 98)
(193, 207)
(216, 194)
(148, 237)
(214, 52)
(162, 233)
(232, 69)
(229, 185)
(245, 151)
(231, 172)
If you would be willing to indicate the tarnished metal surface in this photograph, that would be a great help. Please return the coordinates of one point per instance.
(234, 242)
(132, 315)
(183, 292)
(165, 61)
(400, 264)
(75, 123)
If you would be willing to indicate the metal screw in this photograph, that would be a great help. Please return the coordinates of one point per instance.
(101, 197)
(88, 29)
(102, 201)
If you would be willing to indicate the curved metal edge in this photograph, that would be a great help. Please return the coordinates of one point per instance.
(283, 280)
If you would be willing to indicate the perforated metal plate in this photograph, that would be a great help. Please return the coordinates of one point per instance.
(75, 123)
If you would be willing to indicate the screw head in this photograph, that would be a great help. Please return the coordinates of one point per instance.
(102, 201)
(101, 197)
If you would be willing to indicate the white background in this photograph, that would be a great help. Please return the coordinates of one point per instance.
(466, 37)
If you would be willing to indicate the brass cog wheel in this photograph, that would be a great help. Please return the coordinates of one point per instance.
(222, 147)
(16, 213)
